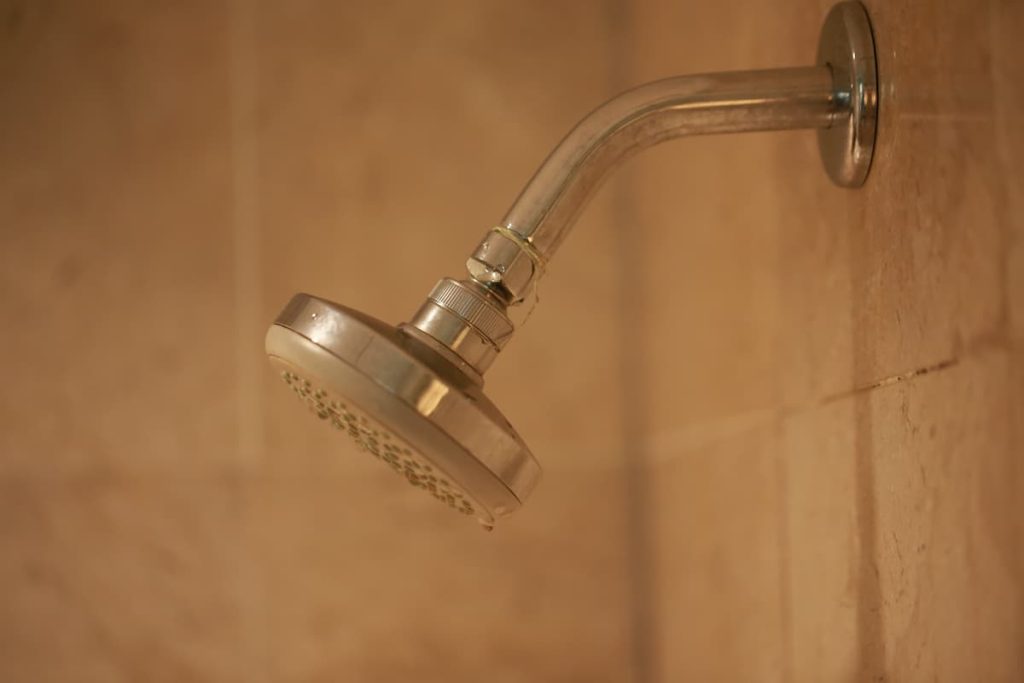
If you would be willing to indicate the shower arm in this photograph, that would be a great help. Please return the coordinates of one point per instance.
(467, 320)
(512, 256)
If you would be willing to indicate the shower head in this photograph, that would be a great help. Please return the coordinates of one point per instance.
(412, 395)
(406, 402)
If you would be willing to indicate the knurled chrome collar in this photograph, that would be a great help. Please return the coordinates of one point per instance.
(466, 320)
(475, 308)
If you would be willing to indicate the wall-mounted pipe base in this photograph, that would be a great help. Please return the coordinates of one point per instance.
(848, 48)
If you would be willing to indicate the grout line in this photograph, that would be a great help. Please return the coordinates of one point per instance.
(244, 220)
(666, 445)
(888, 381)
(945, 117)
(250, 590)
(1008, 204)
(785, 547)
(635, 445)
(781, 463)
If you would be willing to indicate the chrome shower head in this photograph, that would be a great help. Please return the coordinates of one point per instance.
(412, 395)
(402, 400)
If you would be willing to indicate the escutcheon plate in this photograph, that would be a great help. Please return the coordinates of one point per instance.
(848, 48)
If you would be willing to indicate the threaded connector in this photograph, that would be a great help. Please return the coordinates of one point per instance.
(466, 320)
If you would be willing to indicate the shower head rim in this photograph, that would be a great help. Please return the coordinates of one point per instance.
(401, 370)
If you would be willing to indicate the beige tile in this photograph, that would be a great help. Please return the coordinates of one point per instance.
(828, 552)
(935, 58)
(877, 285)
(373, 184)
(376, 182)
(816, 287)
(1007, 72)
(902, 527)
(384, 584)
(875, 533)
(121, 580)
(671, 38)
(1016, 379)
(892, 285)
(923, 274)
(709, 279)
(116, 242)
(708, 232)
(831, 291)
(1015, 288)
(718, 578)
(708, 284)
(947, 487)
(904, 265)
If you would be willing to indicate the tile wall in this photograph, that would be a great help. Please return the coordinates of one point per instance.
(170, 175)
(834, 377)
(784, 442)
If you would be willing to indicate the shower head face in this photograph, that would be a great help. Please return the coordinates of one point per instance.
(403, 403)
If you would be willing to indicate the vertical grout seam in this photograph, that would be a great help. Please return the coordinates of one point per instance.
(253, 656)
(635, 446)
(244, 219)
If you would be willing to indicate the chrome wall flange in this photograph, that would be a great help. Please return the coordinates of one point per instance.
(847, 47)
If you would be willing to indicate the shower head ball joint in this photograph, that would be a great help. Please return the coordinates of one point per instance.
(412, 395)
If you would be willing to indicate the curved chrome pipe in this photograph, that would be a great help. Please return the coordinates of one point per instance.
(702, 104)
(838, 97)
